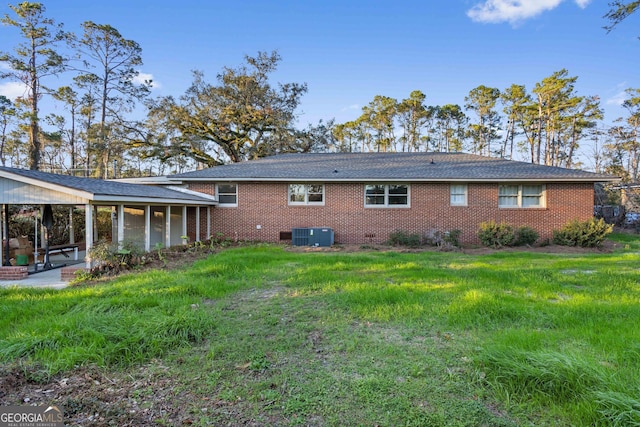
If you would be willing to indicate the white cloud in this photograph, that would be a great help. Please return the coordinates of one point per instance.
(141, 78)
(13, 90)
(617, 99)
(351, 107)
(514, 11)
(618, 94)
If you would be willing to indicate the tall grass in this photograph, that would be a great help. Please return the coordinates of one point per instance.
(552, 337)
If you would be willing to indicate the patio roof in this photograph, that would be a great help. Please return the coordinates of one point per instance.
(21, 186)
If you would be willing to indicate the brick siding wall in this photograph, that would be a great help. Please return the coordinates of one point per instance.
(68, 274)
(13, 273)
(265, 205)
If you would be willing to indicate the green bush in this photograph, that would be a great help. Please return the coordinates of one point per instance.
(526, 236)
(112, 258)
(452, 237)
(586, 234)
(401, 238)
(496, 235)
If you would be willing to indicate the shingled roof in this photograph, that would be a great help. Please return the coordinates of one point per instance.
(98, 189)
(415, 167)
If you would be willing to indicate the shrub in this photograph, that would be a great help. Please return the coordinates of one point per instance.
(586, 234)
(112, 258)
(401, 238)
(526, 236)
(496, 235)
(447, 240)
(452, 237)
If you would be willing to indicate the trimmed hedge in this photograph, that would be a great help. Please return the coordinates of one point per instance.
(496, 235)
(586, 234)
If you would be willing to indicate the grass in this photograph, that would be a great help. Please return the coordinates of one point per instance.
(368, 338)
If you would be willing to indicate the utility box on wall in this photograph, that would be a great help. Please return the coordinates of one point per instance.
(312, 237)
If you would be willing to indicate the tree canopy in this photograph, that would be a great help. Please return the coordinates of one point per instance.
(233, 120)
(242, 113)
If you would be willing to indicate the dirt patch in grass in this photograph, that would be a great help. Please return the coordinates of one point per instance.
(147, 396)
(90, 397)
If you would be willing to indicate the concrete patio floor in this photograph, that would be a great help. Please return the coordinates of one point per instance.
(48, 278)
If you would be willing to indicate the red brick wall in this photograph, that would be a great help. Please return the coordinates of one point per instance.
(13, 273)
(68, 274)
(265, 204)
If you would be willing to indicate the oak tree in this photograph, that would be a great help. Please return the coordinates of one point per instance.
(232, 120)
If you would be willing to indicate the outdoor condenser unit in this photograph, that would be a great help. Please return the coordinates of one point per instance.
(312, 237)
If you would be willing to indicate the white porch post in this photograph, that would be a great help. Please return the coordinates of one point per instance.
(167, 227)
(120, 219)
(208, 222)
(88, 234)
(2, 236)
(184, 225)
(95, 224)
(197, 223)
(147, 228)
(72, 236)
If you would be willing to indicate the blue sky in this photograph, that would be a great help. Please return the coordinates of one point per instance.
(349, 51)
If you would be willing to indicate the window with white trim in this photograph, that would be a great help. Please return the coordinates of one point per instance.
(458, 194)
(306, 194)
(521, 196)
(386, 195)
(227, 194)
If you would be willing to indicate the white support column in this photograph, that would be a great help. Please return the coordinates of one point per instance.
(96, 238)
(197, 223)
(72, 234)
(167, 226)
(120, 219)
(2, 236)
(184, 225)
(147, 228)
(88, 235)
(208, 222)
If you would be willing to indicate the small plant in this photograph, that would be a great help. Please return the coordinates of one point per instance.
(80, 276)
(401, 238)
(112, 257)
(526, 236)
(586, 234)
(220, 240)
(452, 238)
(496, 235)
(447, 240)
(158, 248)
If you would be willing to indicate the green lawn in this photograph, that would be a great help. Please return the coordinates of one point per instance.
(365, 338)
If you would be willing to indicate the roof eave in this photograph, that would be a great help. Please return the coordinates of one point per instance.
(50, 186)
(105, 198)
(378, 179)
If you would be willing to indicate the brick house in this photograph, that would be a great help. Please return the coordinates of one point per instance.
(364, 197)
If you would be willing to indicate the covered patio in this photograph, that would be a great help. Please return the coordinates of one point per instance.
(146, 215)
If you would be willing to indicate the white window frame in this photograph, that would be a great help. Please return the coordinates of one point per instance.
(225, 204)
(522, 195)
(387, 196)
(458, 190)
(306, 201)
